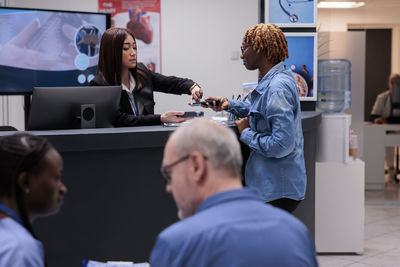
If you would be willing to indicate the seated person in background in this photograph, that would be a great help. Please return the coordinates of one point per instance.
(118, 66)
(222, 223)
(382, 113)
(30, 187)
(382, 109)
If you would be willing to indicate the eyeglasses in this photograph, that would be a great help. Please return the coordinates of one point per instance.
(166, 169)
(244, 47)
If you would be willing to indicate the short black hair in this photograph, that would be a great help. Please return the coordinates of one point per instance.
(19, 152)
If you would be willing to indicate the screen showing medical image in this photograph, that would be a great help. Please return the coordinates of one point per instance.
(302, 62)
(291, 13)
(48, 48)
(88, 40)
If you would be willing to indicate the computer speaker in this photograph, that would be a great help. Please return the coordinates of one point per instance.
(88, 116)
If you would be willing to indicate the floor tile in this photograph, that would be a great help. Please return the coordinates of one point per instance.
(331, 261)
(390, 258)
(381, 236)
(359, 264)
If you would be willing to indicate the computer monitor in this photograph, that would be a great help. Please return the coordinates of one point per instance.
(40, 48)
(57, 108)
(395, 109)
(396, 96)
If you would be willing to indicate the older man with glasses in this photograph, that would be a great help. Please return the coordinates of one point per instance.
(222, 223)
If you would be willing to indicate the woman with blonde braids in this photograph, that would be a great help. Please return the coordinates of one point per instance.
(271, 123)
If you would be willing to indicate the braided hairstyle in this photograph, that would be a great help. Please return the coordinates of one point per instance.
(19, 153)
(270, 39)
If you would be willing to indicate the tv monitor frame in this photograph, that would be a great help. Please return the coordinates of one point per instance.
(20, 79)
(291, 14)
(59, 108)
(396, 96)
(303, 60)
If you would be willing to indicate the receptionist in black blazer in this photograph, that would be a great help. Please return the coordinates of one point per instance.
(118, 66)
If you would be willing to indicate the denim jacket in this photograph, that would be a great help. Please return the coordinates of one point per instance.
(276, 162)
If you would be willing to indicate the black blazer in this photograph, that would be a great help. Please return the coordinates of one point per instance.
(154, 82)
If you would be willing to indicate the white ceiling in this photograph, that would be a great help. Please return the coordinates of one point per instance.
(373, 3)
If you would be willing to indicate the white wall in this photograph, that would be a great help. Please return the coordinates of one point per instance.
(375, 16)
(199, 38)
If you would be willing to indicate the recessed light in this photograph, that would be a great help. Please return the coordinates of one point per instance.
(326, 4)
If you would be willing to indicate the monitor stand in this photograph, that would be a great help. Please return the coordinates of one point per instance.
(27, 108)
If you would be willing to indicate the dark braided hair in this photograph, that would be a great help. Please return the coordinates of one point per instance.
(270, 39)
(19, 153)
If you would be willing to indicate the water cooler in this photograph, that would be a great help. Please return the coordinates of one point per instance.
(333, 98)
(339, 179)
(333, 138)
(333, 85)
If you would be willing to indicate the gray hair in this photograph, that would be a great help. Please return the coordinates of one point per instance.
(218, 143)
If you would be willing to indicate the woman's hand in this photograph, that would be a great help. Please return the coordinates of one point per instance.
(197, 94)
(242, 124)
(170, 116)
(223, 103)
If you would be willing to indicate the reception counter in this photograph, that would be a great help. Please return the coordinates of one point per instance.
(116, 202)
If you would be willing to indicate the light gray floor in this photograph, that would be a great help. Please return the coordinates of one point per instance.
(382, 232)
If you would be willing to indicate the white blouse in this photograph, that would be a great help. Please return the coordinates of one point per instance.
(136, 105)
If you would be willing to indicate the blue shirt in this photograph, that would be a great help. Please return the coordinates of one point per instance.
(17, 246)
(235, 228)
(276, 162)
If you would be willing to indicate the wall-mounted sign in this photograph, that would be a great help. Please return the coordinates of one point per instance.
(143, 18)
(303, 63)
(291, 13)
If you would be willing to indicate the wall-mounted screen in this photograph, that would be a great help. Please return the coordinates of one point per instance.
(291, 13)
(48, 48)
(303, 63)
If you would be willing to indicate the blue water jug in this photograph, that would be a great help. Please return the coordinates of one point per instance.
(333, 85)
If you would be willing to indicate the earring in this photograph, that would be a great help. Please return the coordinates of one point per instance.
(27, 191)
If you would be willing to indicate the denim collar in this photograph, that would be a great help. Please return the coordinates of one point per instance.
(264, 82)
